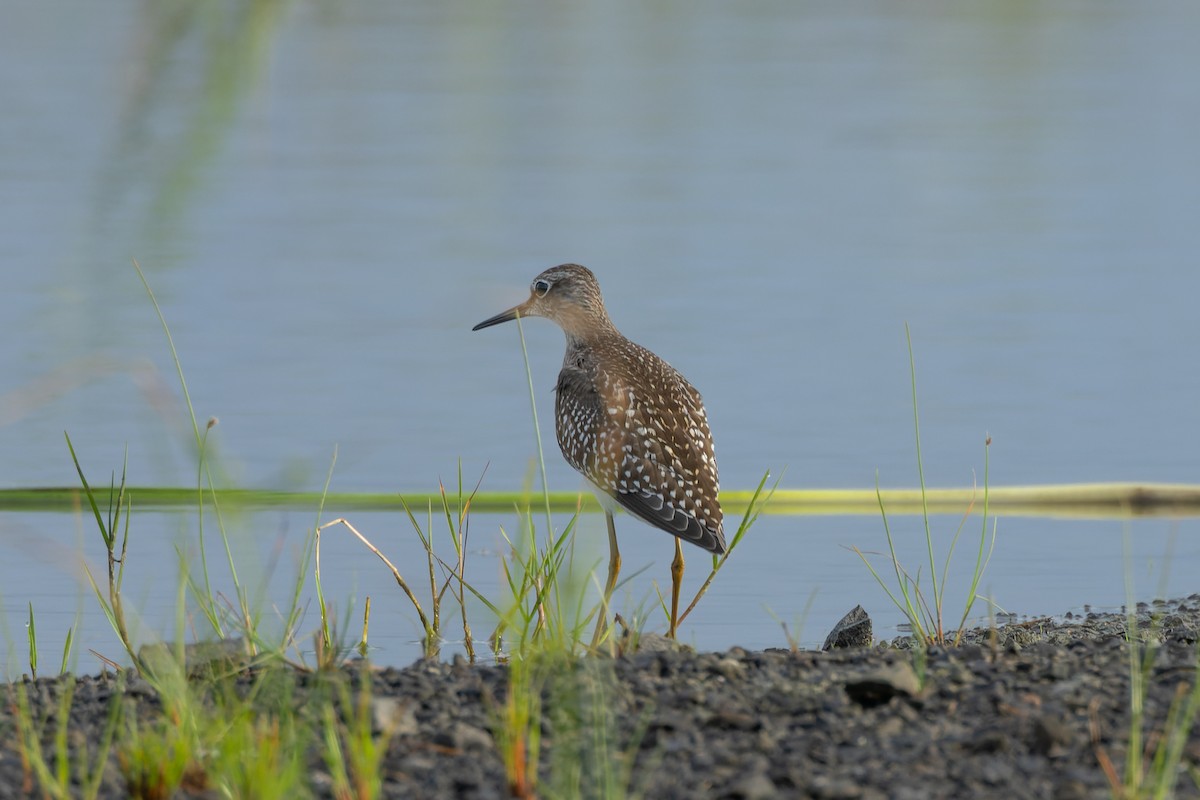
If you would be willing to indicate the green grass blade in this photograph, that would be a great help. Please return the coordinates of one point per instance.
(33, 652)
(91, 497)
(537, 430)
(912, 371)
(174, 353)
(909, 607)
(66, 656)
(981, 559)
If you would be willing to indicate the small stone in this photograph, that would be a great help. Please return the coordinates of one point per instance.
(989, 741)
(648, 643)
(467, 736)
(1050, 736)
(890, 728)
(995, 772)
(389, 714)
(880, 685)
(730, 668)
(1071, 790)
(753, 785)
(732, 720)
(828, 788)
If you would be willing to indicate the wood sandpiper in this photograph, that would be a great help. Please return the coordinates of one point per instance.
(629, 422)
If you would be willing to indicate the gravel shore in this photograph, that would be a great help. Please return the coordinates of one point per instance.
(1029, 710)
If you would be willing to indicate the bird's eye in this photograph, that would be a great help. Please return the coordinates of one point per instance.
(540, 287)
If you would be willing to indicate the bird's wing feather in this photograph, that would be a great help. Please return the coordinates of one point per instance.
(651, 508)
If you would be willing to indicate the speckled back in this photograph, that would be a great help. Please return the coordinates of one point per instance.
(637, 429)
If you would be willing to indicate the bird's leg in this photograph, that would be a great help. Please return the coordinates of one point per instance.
(676, 583)
(614, 568)
(614, 557)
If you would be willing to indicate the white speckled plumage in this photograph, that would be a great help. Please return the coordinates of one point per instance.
(625, 418)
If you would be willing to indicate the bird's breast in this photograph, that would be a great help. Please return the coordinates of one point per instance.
(576, 418)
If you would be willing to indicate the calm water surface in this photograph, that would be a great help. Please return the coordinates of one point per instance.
(326, 198)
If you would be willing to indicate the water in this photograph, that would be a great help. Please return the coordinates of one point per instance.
(326, 198)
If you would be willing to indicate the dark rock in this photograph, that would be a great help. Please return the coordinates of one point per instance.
(852, 630)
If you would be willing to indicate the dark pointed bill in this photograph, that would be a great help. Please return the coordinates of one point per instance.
(503, 316)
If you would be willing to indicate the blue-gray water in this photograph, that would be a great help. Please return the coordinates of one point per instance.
(326, 197)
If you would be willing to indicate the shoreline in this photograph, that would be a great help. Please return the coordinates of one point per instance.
(1030, 709)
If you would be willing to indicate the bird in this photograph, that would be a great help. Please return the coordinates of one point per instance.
(629, 422)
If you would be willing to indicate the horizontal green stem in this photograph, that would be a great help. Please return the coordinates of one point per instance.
(1083, 500)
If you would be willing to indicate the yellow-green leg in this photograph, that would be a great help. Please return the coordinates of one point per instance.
(614, 568)
(676, 583)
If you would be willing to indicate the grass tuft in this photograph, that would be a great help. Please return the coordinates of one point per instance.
(925, 611)
(1154, 758)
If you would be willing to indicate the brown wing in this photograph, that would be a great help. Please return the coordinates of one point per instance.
(667, 474)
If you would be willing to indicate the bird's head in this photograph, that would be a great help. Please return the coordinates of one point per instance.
(569, 295)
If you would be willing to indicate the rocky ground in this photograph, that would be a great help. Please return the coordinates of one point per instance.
(1029, 710)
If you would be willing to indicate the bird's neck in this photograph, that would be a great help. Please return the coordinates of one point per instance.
(583, 330)
(582, 346)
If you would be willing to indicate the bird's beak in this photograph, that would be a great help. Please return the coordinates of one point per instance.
(503, 316)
